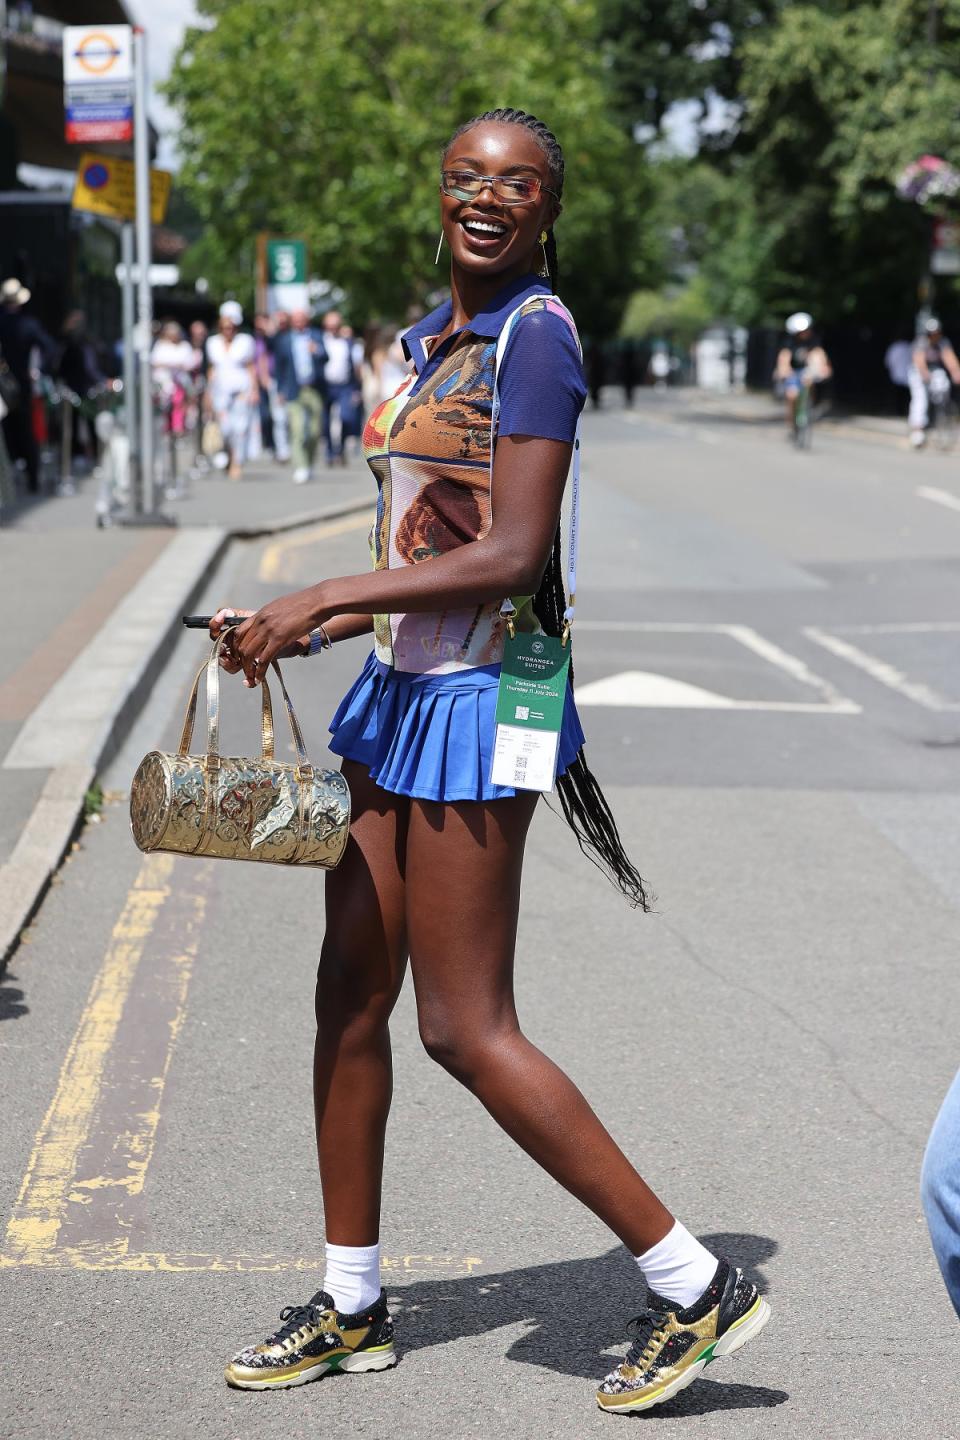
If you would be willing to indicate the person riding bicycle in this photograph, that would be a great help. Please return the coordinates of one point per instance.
(801, 363)
(934, 367)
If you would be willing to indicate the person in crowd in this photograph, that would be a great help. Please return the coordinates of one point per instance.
(341, 388)
(231, 394)
(279, 325)
(432, 873)
(353, 421)
(80, 372)
(172, 365)
(172, 354)
(23, 340)
(802, 363)
(299, 356)
(198, 335)
(940, 1190)
(262, 341)
(934, 363)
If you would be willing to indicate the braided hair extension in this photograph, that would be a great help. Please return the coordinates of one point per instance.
(583, 803)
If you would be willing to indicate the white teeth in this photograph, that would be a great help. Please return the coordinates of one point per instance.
(484, 228)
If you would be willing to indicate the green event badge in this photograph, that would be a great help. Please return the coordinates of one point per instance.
(533, 686)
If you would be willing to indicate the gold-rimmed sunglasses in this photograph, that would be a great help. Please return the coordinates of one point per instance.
(509, 189)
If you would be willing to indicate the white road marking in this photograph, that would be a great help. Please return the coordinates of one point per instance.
(649, 687)
(645, 690)
(939, 497)
(880, 670)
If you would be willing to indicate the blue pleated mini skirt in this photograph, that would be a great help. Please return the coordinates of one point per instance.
(431, 736)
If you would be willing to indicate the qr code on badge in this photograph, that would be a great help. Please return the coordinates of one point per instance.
(522, 712)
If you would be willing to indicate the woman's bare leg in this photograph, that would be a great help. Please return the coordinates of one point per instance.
(362, 964)
(462, 897)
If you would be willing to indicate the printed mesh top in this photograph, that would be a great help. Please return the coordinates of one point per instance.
(429, 448)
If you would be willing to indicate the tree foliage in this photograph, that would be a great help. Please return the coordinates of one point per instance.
(794, 206)
(327, 121)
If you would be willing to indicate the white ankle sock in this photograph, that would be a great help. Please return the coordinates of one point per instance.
(353, 1276)
(678, 1267)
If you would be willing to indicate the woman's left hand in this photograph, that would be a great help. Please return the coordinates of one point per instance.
(272, 629)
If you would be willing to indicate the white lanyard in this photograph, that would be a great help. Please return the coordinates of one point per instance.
(507, 609)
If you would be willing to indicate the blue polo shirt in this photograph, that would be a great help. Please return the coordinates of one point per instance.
(542, 384)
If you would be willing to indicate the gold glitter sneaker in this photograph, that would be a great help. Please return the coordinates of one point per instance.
(672, 1347)
(313, 1340)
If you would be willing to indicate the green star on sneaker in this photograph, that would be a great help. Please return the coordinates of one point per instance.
(671, 1346)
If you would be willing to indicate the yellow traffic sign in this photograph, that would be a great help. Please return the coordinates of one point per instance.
(105, 186)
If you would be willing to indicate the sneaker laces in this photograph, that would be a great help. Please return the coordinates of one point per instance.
(295, 1317)
(646, 1330)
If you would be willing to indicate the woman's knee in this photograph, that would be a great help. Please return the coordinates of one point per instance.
(466, 1049)
(351, 994)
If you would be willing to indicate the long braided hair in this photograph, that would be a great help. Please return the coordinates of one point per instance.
(583, 802)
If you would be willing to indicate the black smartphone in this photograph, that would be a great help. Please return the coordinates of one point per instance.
(202, 622)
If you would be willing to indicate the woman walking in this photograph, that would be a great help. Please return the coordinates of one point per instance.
(432, 871)
(231, 394)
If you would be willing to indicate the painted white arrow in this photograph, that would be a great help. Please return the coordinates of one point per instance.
(645, 690)
(642, 688)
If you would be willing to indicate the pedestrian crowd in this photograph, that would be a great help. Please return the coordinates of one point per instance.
(286, 387)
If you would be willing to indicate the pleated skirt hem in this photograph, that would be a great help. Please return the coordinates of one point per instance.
(431, 736)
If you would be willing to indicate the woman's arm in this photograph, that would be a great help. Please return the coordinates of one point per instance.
(528, 480)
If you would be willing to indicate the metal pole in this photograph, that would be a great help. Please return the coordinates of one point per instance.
(129, 363)
(144, 297)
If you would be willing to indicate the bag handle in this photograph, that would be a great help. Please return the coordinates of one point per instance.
(212, 668)
(508, 610)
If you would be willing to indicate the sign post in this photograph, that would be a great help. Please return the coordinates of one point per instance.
(144, 329)
(97, 83)
(129, 360)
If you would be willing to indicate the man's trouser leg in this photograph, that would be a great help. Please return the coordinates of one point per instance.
(281, 428)
(313, 407)
(335, 395)
(297, 413)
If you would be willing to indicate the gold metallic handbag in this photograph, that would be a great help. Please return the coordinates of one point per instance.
(234, 808)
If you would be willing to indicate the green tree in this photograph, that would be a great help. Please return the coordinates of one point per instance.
(664, 51)
(327, 121)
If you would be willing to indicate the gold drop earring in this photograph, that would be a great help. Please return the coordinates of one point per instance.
(439, 248)
(544, 266)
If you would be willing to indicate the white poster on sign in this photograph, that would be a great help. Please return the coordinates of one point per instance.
(97, 54)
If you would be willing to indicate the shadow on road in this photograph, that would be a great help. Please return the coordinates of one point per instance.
(11, 999)
(572, 1308)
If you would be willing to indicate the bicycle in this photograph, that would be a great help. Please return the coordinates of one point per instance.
(802, 431)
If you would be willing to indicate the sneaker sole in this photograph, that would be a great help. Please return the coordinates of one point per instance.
(729, 1343)
(361, 1362)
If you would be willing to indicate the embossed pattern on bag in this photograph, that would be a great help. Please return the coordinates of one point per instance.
(237, 808)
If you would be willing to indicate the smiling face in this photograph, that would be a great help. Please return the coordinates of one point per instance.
(488, 237)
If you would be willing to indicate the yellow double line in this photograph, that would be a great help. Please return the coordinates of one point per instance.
(272, 559)
(34, 1228)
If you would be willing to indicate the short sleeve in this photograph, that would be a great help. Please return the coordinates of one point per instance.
(542, 386)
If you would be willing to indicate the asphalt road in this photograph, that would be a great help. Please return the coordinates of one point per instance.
(768, 657)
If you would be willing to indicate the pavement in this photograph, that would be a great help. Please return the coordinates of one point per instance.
(88, 640)
(767, 666)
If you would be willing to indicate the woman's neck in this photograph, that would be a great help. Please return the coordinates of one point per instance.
(470, 293)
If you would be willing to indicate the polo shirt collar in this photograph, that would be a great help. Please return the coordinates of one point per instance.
(487, 322)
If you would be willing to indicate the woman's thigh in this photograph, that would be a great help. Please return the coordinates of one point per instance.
(462, 897)
(364, 951)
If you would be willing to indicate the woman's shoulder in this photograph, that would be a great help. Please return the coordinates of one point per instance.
(542, 323)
